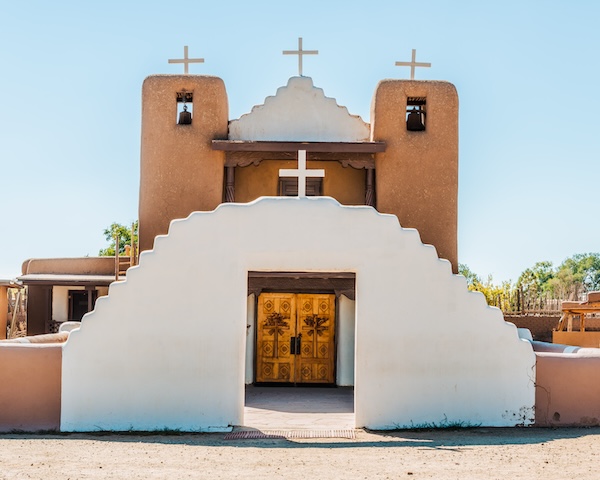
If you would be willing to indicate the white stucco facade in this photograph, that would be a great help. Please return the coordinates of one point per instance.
(60, 302)
(345, 342)
(316, 118)
(250, 338)
(427, 351)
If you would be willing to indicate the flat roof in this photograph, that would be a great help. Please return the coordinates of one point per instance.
(321, 147)
(66, 280)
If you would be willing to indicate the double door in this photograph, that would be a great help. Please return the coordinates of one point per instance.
(295, 338)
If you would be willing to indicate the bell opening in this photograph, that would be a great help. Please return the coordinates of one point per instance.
(416, 114)
(185, 108)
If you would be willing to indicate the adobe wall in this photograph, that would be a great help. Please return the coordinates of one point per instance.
(345, 184)
(567, 388)
(417, 176)
(33, 372)
(540, 326)
(181, 365)
(180, 172)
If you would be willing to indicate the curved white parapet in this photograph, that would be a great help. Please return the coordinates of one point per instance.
(68, 326)
(166, 347)
(299, 112)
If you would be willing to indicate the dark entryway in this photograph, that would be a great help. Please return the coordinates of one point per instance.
(80, 303)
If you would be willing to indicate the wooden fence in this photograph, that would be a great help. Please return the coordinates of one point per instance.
(522, 303)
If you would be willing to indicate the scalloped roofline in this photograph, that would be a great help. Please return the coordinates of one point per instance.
(299, 111)
(283, 88)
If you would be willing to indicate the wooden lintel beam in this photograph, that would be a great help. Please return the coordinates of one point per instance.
(322, 147)
(324, 275)
(355, 160)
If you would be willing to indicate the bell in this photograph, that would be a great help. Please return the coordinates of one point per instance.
(185, 117)
(414, 122)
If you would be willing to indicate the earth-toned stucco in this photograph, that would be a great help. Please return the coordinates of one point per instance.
(417, 175)
(179, 172)
(30, 378)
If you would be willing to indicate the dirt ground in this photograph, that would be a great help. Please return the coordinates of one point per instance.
(484, 453)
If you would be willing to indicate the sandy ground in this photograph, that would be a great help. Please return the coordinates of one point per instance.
(528, 453)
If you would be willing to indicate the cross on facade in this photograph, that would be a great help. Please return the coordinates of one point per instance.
(300, 52)
(301, 173)
(412, 64)
(185, 60)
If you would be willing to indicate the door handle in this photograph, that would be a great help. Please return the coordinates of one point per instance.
(295, 343)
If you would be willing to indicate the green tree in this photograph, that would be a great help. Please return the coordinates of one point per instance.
(124, 233)
(473, 280)
(577, 274)
(536, 280)
(502, 296)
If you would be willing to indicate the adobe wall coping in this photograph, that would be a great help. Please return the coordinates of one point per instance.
(70, 266)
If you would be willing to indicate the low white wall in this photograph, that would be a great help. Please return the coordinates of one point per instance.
(345, 342)
(428, 351)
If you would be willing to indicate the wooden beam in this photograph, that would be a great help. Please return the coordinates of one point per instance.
(322, 147)
(577, 309)
(340, 283)
(301, 275)
(354, 160)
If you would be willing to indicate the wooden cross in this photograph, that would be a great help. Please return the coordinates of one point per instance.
(185, 60)
(301, 173)
(412, 64)
(300, 52)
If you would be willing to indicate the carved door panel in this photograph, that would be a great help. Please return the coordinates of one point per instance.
(295, 338)
(276, 324)
(316, 328)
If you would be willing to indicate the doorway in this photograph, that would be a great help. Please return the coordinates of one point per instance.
(80, 303)
(295, 338)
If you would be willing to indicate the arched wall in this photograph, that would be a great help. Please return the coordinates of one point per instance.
(166, 347)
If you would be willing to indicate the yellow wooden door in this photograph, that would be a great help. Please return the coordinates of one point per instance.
(276, 325)
(316, 329)
(295, 338)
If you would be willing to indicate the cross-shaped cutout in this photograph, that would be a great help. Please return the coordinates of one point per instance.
(412, 64)
(301, 173)
(185, 60)
(300, 52)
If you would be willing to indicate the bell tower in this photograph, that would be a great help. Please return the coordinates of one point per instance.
(180, 172)
(417, 176)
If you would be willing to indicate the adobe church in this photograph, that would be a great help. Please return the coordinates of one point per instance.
(307, 247)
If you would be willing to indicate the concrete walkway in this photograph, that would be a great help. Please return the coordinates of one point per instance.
(298, 408)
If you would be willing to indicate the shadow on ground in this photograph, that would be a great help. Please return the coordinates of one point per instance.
(424, 439)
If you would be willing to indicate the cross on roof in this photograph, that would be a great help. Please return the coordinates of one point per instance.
(300, 52)
(185, 60)
(412, 64)
(301, 173)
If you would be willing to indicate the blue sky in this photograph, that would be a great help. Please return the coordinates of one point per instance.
(526, 73)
